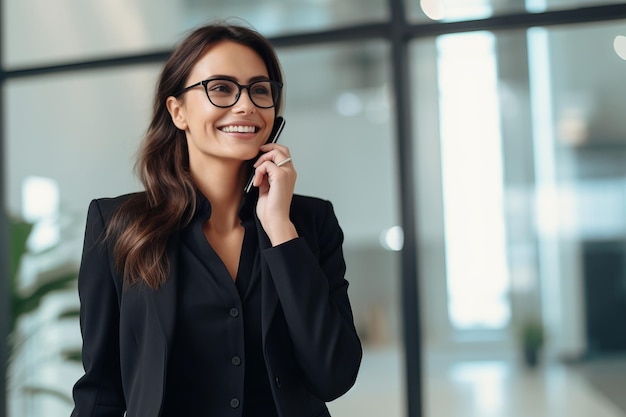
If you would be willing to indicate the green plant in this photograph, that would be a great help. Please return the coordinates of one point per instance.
(532, 339)
(27, 301)
(533, 336)
(19, 231)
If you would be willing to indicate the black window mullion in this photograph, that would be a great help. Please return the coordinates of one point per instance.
(409, 275)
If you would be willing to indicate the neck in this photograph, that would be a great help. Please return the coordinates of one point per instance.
(221, 182)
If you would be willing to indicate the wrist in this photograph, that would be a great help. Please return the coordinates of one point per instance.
(281, 233)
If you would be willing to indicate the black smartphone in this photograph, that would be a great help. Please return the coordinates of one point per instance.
(279, 124)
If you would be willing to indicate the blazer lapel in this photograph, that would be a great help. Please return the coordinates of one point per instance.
(164, 299)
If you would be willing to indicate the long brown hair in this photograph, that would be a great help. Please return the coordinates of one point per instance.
(142, 225)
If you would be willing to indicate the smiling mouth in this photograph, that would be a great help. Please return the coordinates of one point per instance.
(239, 129)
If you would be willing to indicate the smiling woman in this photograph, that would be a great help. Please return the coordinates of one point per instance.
(262, 272)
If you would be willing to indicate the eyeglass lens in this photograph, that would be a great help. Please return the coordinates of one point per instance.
(225, 93)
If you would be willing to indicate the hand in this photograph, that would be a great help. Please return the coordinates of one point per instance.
(276, 185)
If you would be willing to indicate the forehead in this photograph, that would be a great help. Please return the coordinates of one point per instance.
(231, 59)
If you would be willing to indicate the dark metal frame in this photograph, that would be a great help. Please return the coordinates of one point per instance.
(399, 32)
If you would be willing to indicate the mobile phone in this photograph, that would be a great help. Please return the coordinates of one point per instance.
(279, 124)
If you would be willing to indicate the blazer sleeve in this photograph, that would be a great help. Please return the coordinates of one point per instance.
(98, 393)
(314, 297)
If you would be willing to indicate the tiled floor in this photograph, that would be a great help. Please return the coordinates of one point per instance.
(479, 388)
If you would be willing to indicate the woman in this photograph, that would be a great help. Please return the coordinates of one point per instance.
(198, 299)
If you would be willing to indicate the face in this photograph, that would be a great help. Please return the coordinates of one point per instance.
(232, 134)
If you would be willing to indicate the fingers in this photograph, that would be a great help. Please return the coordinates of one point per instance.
(275, 177)
(272, 173)
(273, 152)
(274, 164)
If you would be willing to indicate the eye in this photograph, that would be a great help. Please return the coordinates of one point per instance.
(261, 89)
(220, 87)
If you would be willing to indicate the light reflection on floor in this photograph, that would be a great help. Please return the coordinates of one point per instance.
(491, 388)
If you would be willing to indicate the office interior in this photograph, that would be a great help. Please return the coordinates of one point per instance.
(474, 151)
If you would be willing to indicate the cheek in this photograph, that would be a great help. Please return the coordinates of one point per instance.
(201, 112)
(269, 119)
(269, 125)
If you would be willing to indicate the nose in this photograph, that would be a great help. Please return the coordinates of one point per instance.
(244, 103)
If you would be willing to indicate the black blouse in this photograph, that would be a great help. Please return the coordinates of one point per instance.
(218, 334)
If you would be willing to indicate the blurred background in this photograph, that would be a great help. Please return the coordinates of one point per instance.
(474, 150)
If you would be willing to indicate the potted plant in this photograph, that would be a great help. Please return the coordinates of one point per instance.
(532, 338)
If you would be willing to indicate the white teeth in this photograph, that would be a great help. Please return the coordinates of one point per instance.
(239, 129)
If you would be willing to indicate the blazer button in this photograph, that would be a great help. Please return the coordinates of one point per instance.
(234, 312)
(277, 380)
(236, 360)
(234, 403)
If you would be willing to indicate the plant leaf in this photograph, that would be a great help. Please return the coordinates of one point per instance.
(19, 230)
(36, 390)
(26, 304)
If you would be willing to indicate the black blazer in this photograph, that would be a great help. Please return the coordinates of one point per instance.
(310, 343)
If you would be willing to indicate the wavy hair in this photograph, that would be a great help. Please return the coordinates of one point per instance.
(142, 225)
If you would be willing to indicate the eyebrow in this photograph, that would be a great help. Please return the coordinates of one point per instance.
(230, 77)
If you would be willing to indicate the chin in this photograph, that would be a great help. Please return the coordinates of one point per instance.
(251, 155)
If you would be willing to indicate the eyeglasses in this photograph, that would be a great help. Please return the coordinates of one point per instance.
(223, 92)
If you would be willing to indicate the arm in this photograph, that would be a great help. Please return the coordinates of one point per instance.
(99, 392)
(314, 297)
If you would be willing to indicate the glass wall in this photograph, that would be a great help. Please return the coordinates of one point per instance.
(72, 30)
(70, 138)
(518, 155)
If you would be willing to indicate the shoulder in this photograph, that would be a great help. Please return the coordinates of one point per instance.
(308, 202)
(303, 206)
(316, 222)
(312, 212)
(107, 206)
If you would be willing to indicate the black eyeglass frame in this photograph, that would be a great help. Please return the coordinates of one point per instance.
(240, 87)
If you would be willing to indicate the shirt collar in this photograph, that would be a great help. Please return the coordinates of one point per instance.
(246, 209)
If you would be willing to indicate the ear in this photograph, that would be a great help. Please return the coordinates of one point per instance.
(177, 112)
